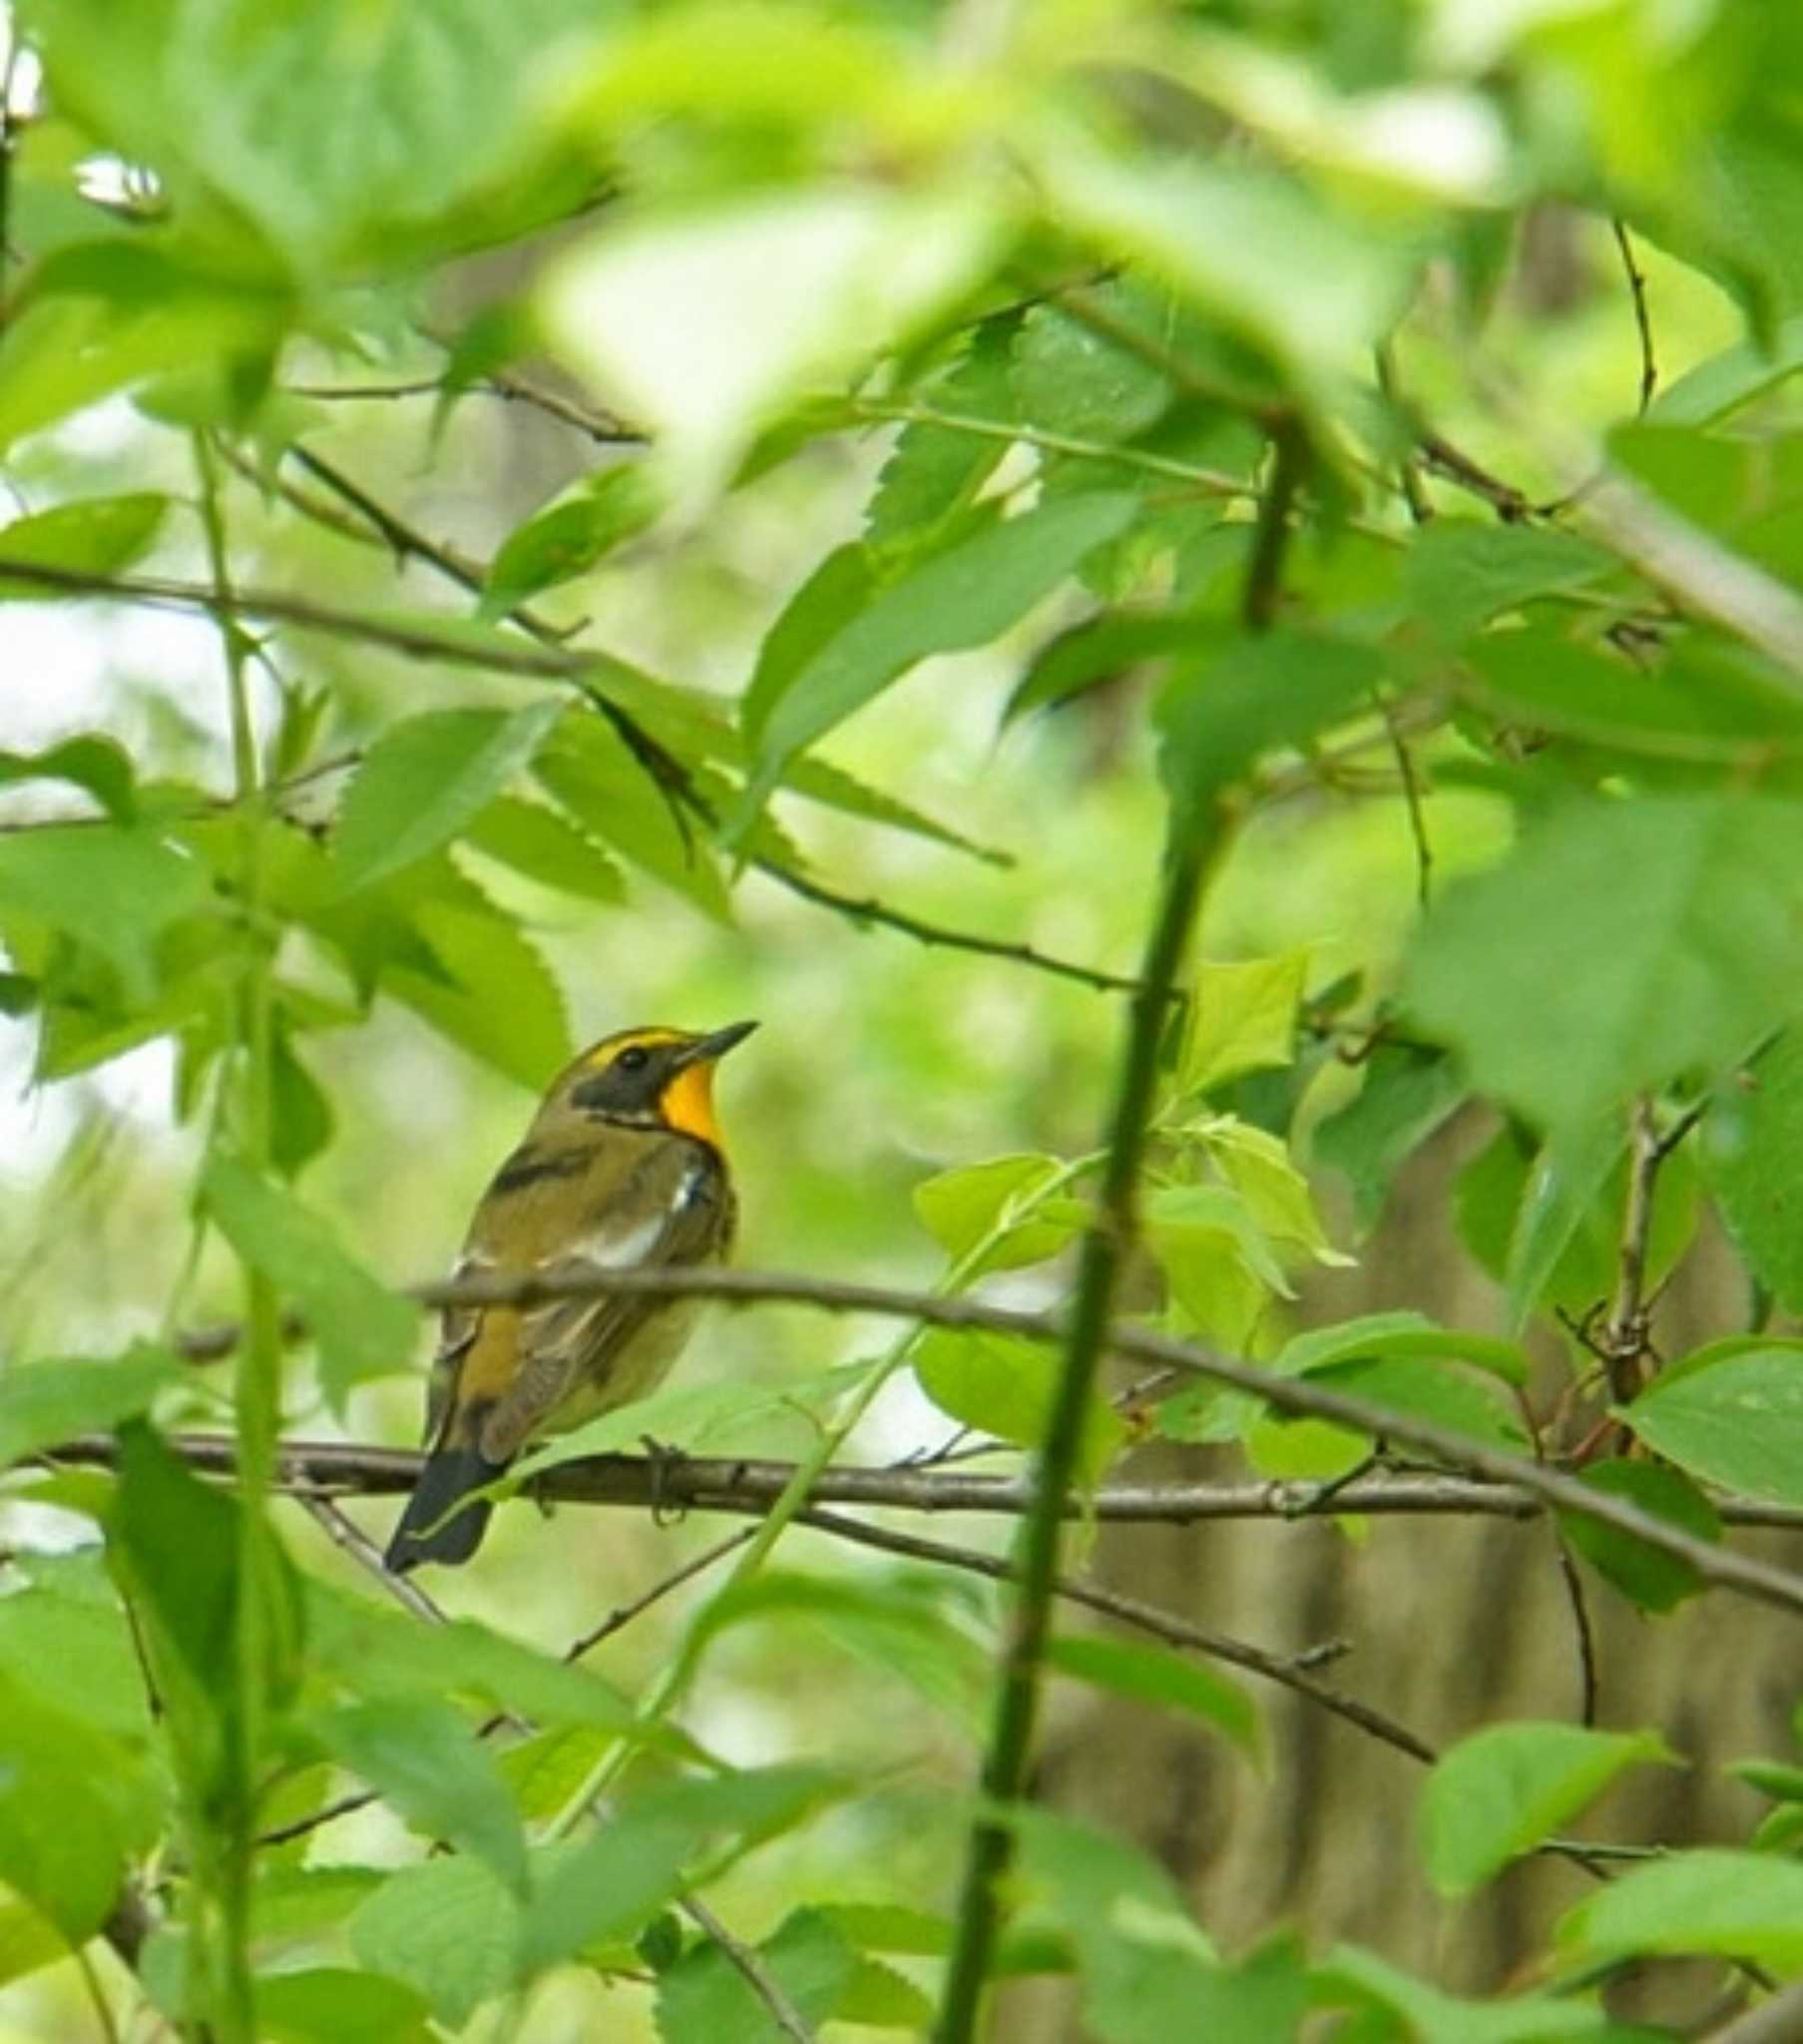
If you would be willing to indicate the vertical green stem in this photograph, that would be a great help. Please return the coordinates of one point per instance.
(258, 1382)
(1005, 1767)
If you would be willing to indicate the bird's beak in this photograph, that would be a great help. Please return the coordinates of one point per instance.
(705, 1049)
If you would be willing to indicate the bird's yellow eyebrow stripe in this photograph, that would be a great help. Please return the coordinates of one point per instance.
(610, 1047)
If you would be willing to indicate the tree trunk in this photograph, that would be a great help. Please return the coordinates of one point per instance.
(1449, 1624)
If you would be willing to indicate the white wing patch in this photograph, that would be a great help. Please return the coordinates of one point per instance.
(608, 1251)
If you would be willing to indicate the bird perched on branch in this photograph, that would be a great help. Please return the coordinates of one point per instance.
(622, 1169)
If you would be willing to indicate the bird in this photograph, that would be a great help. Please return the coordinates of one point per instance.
(623, 1168)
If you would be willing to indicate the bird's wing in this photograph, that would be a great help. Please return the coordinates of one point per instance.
(523, 1364)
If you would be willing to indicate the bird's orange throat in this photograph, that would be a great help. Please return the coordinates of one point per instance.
(688, 1104)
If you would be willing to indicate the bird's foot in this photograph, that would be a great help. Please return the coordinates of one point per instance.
(664, 1461)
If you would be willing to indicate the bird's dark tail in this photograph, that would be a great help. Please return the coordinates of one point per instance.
(432, 1528)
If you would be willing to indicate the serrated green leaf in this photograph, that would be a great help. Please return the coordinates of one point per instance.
(449, 1927)
(1750, 1140)
(1498, 1793)
(546, 846)
(362, 1328)
(427, 1763)
(958, 599)
(425, 779)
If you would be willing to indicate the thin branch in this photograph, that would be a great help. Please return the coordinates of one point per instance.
(1636, 288)
(350, 1539)
(1625, 1341)
(501, 383)
(1415, 807)
(1407, 474)
(1289, 1672)
(1589, 1685)
(1263, 585)
(1721, 1567)
(750, 1967)
(726, 1484)
(1455, 466)
(1106, 1243)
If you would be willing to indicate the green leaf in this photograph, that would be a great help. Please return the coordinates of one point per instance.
(934, 473)
(819, 278)
(474, 949)
(1501, 1791)
(546, 846)
(704, 1998)
(586, 766)
(424, 1761)
(1242, 1018)
(1101, 649)
(425, 779)
(108, 886)
(634, 1865)
(1721, 383)
(569, 537)
(902, 1625)
(334, 2005)
(1742, 1905)
(1407, 1094)
(1556, 1221)
(67, 1637)
(44, 1403)
(1461, 573)
(962, 598)
(1165, 1677)
(66, 1800)
(1404, 1334)
(1750, 1140)
(961, 1209)
(1249, 695)
(1736, 1421)
(1650, 1578)
(95, 535)
(1630, 987)
(380, 1654)
(1002, 1385)
(94, 763)
(362, 1328)
(28, 1941)
(1363, 1980)
(1420, 1386)
(1069, 378)
(449, 1928)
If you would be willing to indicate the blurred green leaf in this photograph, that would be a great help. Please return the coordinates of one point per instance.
(1425, 2015)
(961, 597)
(1462, 573)
(44, 1403)
(362, 1328)
(1630, 987)
(449, 1927)
(93, 762)
(1501, 1791)
(334, 2005)
(629, 1869)
(1166, 1679)
(113, 887)
(1742, 1905)
(704, 1997)
(1407, 1094)
(92, 536)
(568, 537)
(424, 779)
(427, 1763)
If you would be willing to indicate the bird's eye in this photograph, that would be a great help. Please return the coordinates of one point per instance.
(632, 1059)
